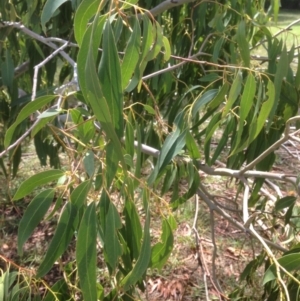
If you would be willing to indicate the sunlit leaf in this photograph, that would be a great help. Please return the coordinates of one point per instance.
(29, 109)
(36, 180)
(131, 56)
(290, 262)
(49, 9)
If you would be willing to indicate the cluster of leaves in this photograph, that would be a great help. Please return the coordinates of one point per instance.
(131, 96)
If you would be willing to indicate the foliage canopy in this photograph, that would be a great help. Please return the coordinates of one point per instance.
(125, 86)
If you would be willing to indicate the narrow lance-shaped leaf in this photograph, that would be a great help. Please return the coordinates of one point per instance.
(79, 194)
(162, 250)
(49, 9)
(29, 109)
(111, 80)
(131, 56)
(112, 245)
(281, 73)
(243, 43)
(7, 70)
(233, 93)
(64, 231)
(34, 213)
(266, 108)
(86, 10)
(245, 106)
(133, 229)
(142, 262)
(173, 145)
(290, 262)
(86, 253)
(39, 179)
(92, 90)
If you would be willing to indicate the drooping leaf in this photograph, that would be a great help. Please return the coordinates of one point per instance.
(79, 194)
(59, 291)
(110, 72)
(264, 113)
(89, 163)
(245, 106)
(34, 181)
(131, 56)
(290, 262)
(281, 73)
(63, 234)
(112, 245)
(202, 100)
(243, 43)
(285, 202)
(86, 253)
(92, 91)
(49, 9)
(142, 262)
(7, 71)
(162, 250)
(173, 144)
(233, 93)
(192, 147)
(133, 229)
(33, 214)
(86, 10)
(29, 109)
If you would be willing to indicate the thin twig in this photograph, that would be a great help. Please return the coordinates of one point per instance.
(38, 66)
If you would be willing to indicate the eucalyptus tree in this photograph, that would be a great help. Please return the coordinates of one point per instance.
(126, 88)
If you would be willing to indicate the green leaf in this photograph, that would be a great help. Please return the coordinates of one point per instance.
(59, 291)
(143, 261)
(49, 9)
(86, 253)
(192, 146)
(173, 144)
(133, 229)
(245, 107)
(149, 109)
(110, 72)
(162, 250)
(112, 245)
(233, 93)
(29, 109)
(202, 100)
(264, 113)
(167, 47)
(89, 48)
(219, 98)
(49, 113)
(243, 43)
(92, 90)
(89, 163)
(290, 262)
(281, 73)
(34, 213)
(39, 179)
(79, 194)
(86, 10)
(7, 71)
(64, 232)
(285, 202)
(131, 56)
